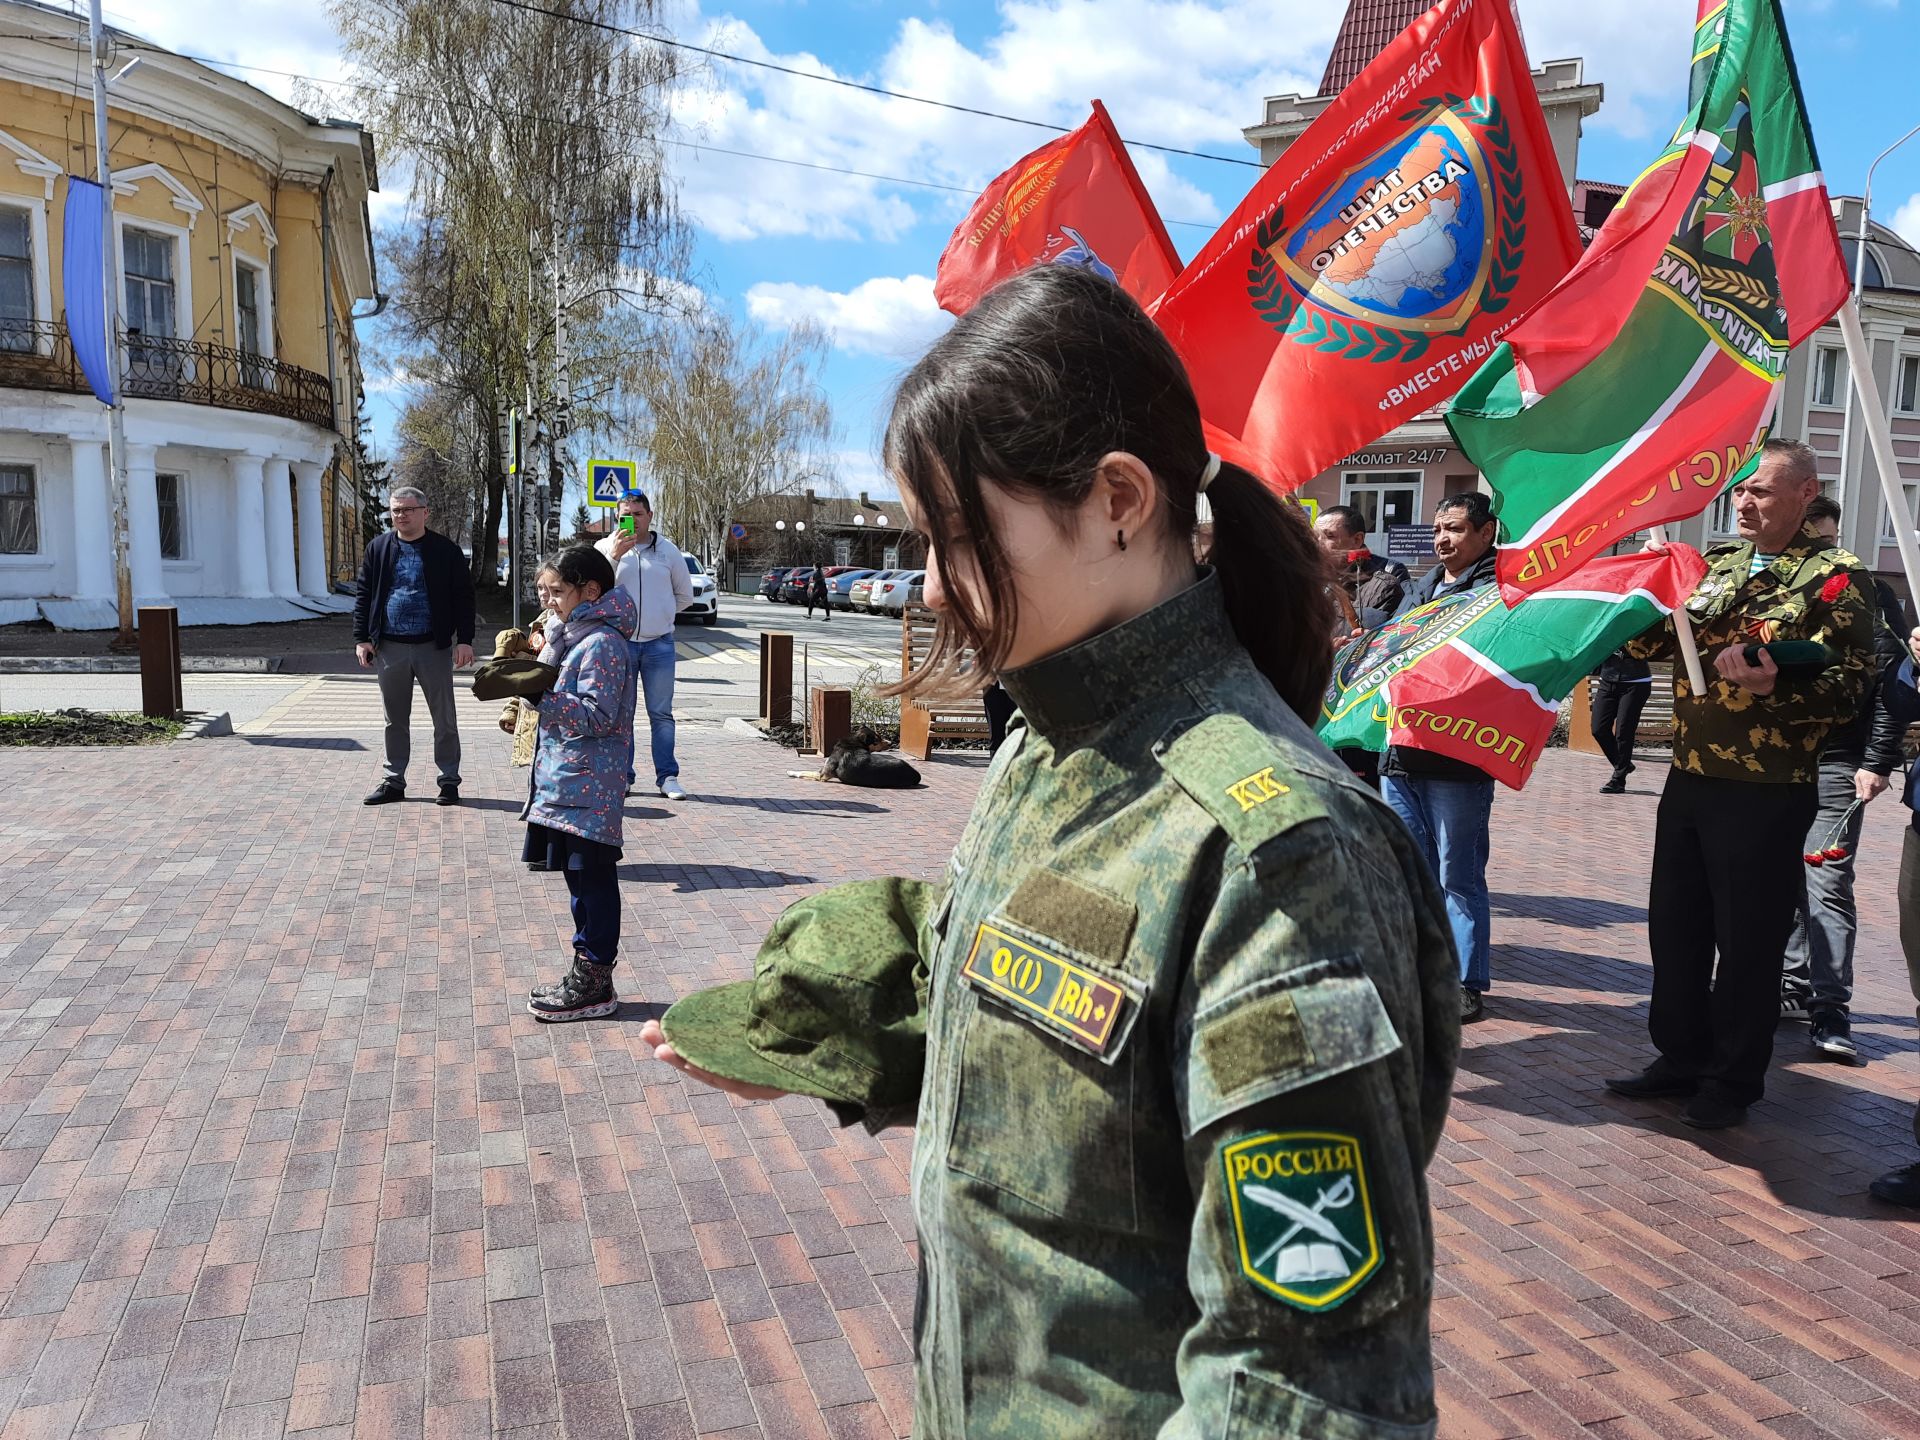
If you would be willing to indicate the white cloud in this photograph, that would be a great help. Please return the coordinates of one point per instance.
(1906, 221)
(893, 318)
(1638, 49)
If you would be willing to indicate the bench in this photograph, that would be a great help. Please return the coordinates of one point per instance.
(925, 722)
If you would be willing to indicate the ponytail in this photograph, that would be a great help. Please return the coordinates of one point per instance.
(1272, 577)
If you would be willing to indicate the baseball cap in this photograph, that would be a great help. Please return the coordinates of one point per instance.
(836, 1007)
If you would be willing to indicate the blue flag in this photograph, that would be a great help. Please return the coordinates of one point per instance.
(86, 292)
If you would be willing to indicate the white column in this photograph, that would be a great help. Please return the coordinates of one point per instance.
(280, 574)
(313, 528)
(92, 522)
(143, 525)
(249, 526)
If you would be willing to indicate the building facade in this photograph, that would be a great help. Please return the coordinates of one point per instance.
(245, 245)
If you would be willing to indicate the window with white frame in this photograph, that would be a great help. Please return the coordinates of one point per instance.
(171, 492)
(1906, 385)
(1826, 377)
(250, 319)
(1912, 493)
(19, 511)
(16, 280)
(152, 307)
(1720, 521)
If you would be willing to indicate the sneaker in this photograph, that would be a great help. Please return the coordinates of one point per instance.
(1473, 1006)
(1656, 1082)
(1712, 1112)
(586, 993)
(1898, 1187)
(1615, 786)
(1832, 1036)
(385, 793)
(672, 788)
(1793, 1007)
(449, 793)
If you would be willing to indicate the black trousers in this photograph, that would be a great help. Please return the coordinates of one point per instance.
(1726, 882)
(1910, 926)
(1616, 721)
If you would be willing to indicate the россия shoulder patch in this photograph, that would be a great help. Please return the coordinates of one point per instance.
(1301, 1216)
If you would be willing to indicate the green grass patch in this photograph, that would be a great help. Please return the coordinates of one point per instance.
(85, 727)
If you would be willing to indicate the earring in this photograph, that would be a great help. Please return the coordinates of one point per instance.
(1123, 539)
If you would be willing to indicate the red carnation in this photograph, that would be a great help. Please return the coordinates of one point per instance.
(1836, 585)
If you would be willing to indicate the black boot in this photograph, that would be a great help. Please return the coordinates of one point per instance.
(586, 993)
(385, 793)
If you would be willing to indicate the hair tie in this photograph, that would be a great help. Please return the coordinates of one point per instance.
(1207, 475)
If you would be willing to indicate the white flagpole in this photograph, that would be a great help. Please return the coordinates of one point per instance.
(1683, 632)
(1873, 412)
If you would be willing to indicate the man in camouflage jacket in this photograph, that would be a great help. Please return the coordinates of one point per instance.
(1742, 791)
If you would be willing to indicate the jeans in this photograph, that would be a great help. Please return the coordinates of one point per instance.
(1819, 962)
(654, 660)
(595, 897)
(1909, 893)
(399, 665)
(1726, 877)
(1450, 820)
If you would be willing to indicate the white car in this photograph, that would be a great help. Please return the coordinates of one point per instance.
(890, 595)
(705, 606)
(860, 596)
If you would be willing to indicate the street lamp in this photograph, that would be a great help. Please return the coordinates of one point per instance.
(1859, 279)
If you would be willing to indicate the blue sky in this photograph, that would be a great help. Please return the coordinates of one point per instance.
(781, 242)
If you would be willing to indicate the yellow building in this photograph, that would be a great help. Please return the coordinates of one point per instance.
(245, 244)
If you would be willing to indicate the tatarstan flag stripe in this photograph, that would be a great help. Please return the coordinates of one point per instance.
(1647, 380)
(1468, 677)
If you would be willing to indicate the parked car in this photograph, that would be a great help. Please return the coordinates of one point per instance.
(892, 596)
(770, 583)
(705, 606)
(917, 592)
(840, 588)
(860, 594)
(793, 589)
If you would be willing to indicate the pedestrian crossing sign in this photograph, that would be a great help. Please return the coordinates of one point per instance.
(608, 480)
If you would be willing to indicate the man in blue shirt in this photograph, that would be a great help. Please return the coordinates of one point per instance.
(413, 621)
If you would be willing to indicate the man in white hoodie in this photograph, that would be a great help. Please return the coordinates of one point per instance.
(651, 569)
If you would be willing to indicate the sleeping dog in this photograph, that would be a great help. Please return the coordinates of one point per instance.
(852, 762)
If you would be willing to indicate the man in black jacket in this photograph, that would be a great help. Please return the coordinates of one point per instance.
(413, 620)
(1373, 583)
(1816, 981)
(1447, 803)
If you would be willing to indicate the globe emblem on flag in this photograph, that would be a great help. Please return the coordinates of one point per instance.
(1404, 239)
(1419, 239)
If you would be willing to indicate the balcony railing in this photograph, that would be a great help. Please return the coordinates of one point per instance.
(38, 355)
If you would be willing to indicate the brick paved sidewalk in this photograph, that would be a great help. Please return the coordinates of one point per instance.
(281, 1152)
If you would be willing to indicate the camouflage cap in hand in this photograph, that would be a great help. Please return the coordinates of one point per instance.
(836, 1006)
(518, 675)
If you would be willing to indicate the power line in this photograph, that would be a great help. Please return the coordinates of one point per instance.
(852, 84)
(579, 125)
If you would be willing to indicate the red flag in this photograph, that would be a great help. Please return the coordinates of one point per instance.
(1371, 270)
(1074, 201)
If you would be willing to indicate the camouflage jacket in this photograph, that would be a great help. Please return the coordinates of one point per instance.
(1191, 1015)
(1812, 591)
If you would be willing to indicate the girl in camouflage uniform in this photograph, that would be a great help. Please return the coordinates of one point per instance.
(1179, 1027)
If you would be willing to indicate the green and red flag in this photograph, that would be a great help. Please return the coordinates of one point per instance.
(1468, 677)
(1074, 201)
(1371, 270)
(1646, 382)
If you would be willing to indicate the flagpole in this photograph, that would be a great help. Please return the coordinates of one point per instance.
(110, 281)
(1683, 631)
(1873, 414)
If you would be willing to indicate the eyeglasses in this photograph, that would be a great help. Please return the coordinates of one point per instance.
(405, 510)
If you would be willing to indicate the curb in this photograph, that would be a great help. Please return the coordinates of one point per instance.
(735, 725)
(205, 726)
(130, 665)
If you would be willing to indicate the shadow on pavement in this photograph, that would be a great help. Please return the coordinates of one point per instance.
(1578, 911)
(688, 878)
(781, 804)
(309, 742)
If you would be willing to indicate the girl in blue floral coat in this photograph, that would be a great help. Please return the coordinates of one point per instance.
(580, 764)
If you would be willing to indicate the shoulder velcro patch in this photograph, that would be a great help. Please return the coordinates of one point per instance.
(1241, 778)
